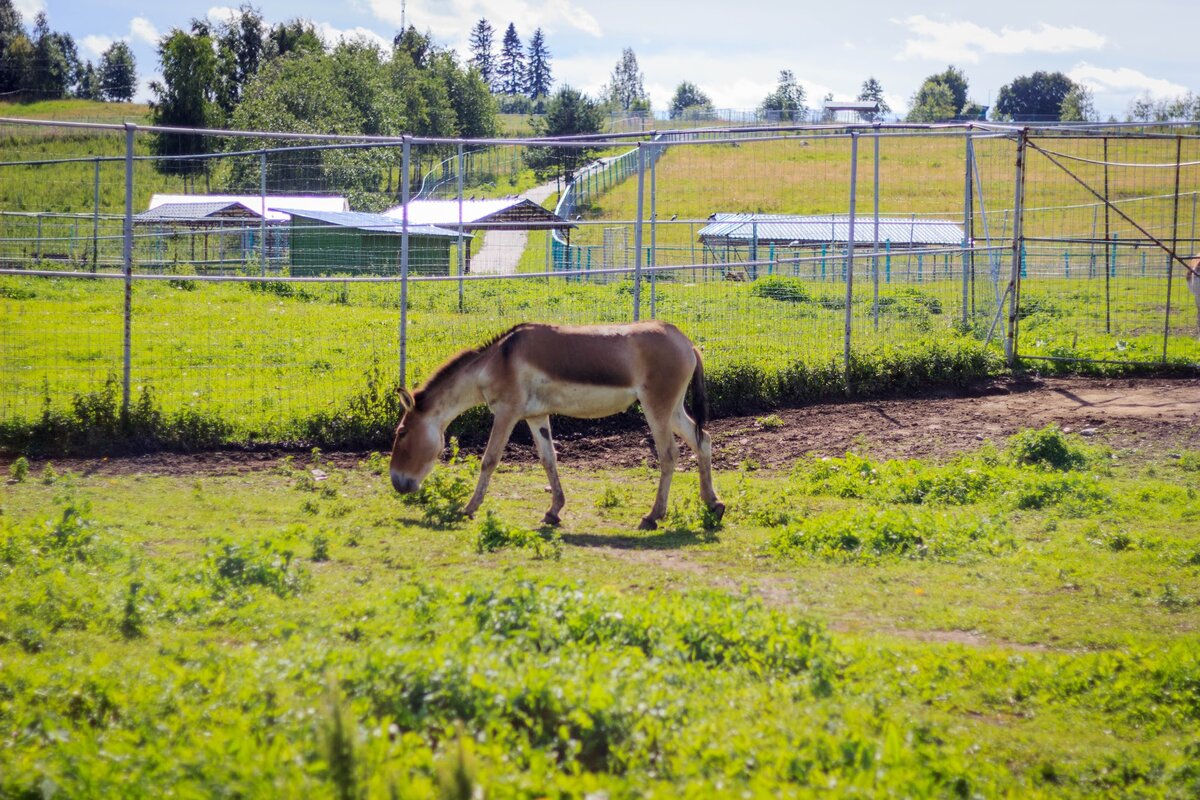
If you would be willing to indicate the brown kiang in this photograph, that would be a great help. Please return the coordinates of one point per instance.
(532, 371)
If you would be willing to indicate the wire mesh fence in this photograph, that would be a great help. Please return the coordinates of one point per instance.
(271, 280)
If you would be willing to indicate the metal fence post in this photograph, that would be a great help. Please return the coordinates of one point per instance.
(1174, 247)
(1108, 250)
(653, 259)
(850, 253)
(404, 198)
(130, 129)
(1014, 281)
(461, 256)
(262, 221)
(96, 215)
(637, 233)
(968, 214)
(875, 238)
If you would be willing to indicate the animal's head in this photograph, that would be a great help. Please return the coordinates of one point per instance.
(419, 442)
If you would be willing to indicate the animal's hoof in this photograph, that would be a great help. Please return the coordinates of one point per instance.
(551, 519)
(647, 524)
(718, 510)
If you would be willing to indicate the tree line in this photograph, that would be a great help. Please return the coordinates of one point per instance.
(42, 64)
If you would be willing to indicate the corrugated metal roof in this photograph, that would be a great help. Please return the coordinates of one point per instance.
(782, 229)
(475, 212)
(196, 212)
(373, 223)
(274, 202)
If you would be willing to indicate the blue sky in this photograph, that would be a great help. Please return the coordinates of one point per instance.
(734, 52)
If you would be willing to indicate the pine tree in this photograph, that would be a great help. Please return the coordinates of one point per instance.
(510, 72)
(482, 57)
(537, 75)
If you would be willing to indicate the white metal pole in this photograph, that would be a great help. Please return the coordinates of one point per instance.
(850, 254)
(875, 247)
(637, 233)
(653, 231)
(130, 129)
(461, 254)
(404, 198)
(968, 213)
(262, 220)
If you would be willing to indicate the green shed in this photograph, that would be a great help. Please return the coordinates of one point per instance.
(324, 243)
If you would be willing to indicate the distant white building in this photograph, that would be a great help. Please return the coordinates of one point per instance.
(255, 203)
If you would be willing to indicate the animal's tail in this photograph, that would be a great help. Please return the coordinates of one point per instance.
(699, 394)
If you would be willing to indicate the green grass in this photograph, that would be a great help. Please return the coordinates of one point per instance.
(342, 645)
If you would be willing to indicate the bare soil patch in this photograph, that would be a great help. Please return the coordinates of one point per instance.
(1143, 417)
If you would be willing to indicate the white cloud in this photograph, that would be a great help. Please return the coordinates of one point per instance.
(95, 45)
(221, 13)
(963, 42)
(29, 9)
(143, 30)
(447, 19)
(331, 36)
(1123, 80)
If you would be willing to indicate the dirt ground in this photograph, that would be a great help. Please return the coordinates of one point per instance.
(1142, 417)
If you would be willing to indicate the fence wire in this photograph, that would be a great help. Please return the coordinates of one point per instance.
(273, 281)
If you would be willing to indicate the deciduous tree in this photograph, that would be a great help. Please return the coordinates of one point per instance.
(185, 97)
(788, 103)
(117, 73)
(626, 89)
(569, 112)
(1038, 96)
(690, 101)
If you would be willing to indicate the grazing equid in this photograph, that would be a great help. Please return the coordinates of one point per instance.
(532, 371)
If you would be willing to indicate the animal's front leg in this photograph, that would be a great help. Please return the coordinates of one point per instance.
(502, 427)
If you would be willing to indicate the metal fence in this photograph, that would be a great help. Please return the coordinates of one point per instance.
(1071, 244)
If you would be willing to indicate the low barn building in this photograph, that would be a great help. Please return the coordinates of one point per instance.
(324, 243)
(746, 235)
(205, 233)
(217, 231)
(733, 238)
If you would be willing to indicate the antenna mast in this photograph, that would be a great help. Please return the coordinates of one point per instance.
(403, 8)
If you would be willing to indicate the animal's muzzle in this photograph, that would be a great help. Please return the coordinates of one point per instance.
(404, 484)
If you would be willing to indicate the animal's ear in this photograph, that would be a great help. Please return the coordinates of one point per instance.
(406, 399)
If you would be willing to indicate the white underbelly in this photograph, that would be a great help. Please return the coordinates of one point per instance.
(579, 400)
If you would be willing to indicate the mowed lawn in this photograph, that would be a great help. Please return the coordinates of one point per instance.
(1020, 621)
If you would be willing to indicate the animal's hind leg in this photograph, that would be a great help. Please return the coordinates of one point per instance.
(540, 428)
(668, 454)
(683, 424)
(502, 427)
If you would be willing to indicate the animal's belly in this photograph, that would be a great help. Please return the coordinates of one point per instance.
(580, 400)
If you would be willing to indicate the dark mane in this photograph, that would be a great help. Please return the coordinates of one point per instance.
(454, 364)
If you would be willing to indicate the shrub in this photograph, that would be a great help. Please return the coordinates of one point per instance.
(231, 567)
(1046, 447)
(494, 534)
(868, 535)
(781, 287)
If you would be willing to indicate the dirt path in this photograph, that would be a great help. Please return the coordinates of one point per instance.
(1146, 418)
(501, 251)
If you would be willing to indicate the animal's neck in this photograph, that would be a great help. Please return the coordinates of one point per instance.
(453, 395)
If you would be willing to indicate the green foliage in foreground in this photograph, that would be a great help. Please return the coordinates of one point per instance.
(151, 626)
